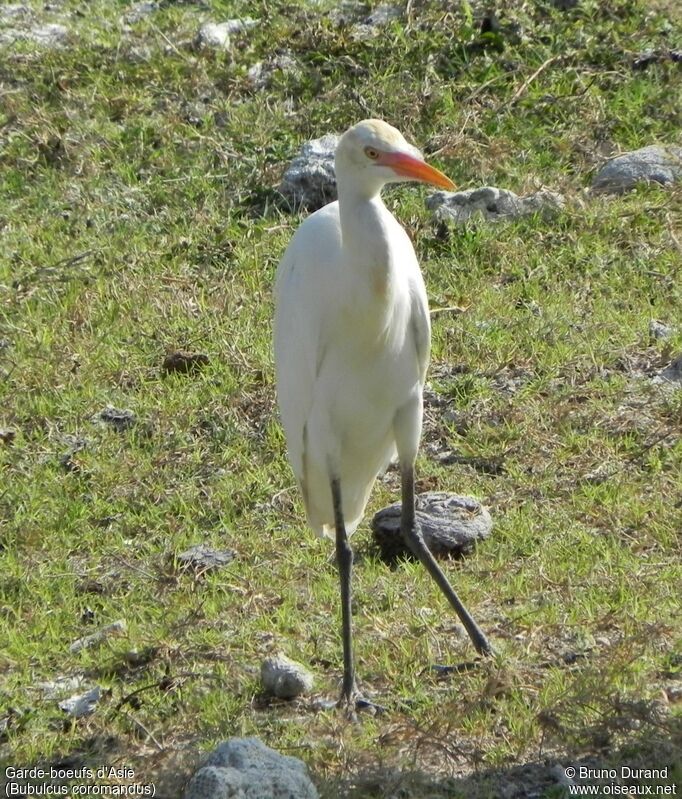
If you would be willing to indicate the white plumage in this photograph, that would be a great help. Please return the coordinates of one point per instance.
(351, 335)
(352, 338)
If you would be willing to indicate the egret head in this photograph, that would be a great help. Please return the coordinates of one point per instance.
(373, 153)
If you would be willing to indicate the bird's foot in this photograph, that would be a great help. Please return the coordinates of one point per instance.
(353, 702)
(467, 665)
(481, 643)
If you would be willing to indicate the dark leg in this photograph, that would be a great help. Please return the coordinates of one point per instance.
(344, 559)
(412, 536)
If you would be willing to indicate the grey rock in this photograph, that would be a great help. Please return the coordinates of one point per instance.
(139, 11)
(492, 204)
(659, 331)
(14, 11)
(261, 72)
(654, 164)
(216, 35)
(322, 704)
(81, 705)
(346, 12)
(379, 18)
(244, 768)
(212, 782)
(672, 374)
(451, 525)
(285, 678)
(95, 639)
(62, 684)
(310, 181)
(136, 53)
(383, 14)
(202, 558)
(74, 443)
(49, 36)
(258, 75)
(120, 419)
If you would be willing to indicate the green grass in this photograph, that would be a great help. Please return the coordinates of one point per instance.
(140, 216)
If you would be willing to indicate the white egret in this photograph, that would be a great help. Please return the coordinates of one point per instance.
(352, 339)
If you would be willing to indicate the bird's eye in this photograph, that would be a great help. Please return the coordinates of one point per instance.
(370, 152)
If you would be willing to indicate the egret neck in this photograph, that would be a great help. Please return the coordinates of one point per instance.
(366, 236)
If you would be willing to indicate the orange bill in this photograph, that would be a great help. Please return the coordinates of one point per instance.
(407, 166)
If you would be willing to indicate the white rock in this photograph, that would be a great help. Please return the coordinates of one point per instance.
(13, 11)
(81, 705)
(244, 768)
(241, 25)
(216, 35)
(383, 14)
(259, 74)
(115, 628)
(654, 164)
(50, 35)
(491, 203)
(53, 688)
(138, 11)
(346, 11)
(285, 678)
(379, 18)
(202, 558)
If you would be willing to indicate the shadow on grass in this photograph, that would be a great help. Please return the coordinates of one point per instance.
(605, 740)
(646, 760)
